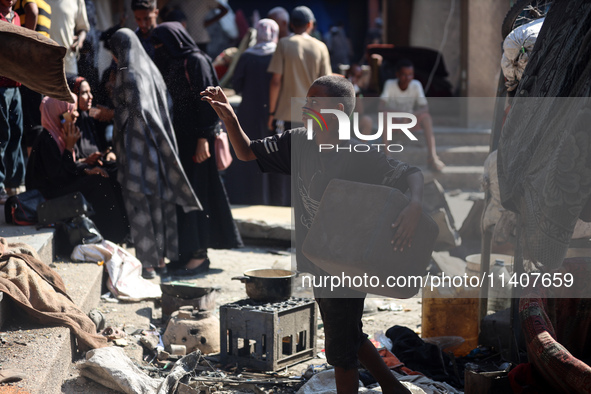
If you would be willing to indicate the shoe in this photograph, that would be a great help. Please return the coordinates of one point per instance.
(3, 196)
(161, 271)
(11, 375)
(148, 273)
(201, 268)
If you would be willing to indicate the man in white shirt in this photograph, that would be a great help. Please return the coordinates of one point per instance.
(69, 25)
(405, 94)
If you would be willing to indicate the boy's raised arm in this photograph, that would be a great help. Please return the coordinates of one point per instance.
(215, 96)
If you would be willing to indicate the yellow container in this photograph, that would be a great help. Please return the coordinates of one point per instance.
(451, 315)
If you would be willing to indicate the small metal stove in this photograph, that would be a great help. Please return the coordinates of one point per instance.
(268, 336)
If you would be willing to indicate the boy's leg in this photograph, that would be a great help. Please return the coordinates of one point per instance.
(343, 338)
(346, 345)
(373, 362)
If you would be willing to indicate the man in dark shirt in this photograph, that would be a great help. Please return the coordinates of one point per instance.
(311, 169)
(146, 17)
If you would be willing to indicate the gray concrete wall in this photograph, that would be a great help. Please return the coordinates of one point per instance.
(427, 27)
(484, 39)
(485, 18)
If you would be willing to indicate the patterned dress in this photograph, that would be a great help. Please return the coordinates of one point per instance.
(150, 172)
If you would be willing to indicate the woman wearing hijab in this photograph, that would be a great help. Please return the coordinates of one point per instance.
(246, 184)
(53, 169)
(92, 147)
(150, 172)
(187, 71)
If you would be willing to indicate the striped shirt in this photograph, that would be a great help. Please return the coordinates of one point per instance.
(44, 18)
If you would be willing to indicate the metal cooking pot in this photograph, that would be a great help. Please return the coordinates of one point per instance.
(267, 285)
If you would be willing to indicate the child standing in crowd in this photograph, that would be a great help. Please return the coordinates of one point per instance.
(293, 154)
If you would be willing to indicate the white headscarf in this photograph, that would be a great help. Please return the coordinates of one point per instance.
(267, 37)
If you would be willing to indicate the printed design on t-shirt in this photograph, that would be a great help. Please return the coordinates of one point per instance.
(398, 168)
(310, 205)
(270, 145)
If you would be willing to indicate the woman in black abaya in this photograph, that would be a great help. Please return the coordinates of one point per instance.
(187, 71)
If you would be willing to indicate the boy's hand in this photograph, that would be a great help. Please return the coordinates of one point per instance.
(406, 225)
(216, 97)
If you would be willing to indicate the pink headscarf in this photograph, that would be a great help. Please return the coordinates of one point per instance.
(51, 109)
(267, 37)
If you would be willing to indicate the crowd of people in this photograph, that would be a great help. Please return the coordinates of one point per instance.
(139, 142)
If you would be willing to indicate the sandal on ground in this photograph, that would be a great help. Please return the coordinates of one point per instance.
(11, 375)
(201, 268)
(435, 164)
(148, 273)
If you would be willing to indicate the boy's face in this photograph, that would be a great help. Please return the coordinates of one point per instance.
(405, 75)
(317, 99)
(146, 19)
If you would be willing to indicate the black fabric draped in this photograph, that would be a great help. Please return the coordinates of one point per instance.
(90, 140)
(544, 157)
(187, 71)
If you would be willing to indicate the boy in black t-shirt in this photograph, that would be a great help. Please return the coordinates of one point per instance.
(311, 169)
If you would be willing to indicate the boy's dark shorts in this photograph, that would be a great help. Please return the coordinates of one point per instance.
(342, 329)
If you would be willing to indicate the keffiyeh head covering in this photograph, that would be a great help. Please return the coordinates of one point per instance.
(267, 37)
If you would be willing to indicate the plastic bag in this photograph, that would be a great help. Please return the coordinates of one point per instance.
(125, 281)
(516, 49)
(383, 339)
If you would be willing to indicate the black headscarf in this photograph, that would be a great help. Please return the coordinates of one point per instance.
(175, 38)
(179, 58)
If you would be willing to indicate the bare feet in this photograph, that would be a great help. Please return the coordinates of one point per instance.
(435, 164)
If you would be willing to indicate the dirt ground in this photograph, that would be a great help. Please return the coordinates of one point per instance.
(381, 313)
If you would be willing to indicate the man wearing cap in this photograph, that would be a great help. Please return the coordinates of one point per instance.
(297, 62)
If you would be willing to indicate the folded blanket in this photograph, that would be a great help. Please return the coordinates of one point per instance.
(39, 291)
(33, 60)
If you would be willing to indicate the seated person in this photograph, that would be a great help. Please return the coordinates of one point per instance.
(405, 94)
(53, 170)
(92, 147)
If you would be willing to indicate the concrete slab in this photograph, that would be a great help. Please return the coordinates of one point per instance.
(263, 222)
(46, 353)
(41, 240)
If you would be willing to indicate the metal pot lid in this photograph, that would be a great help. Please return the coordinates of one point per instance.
(269, 273)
